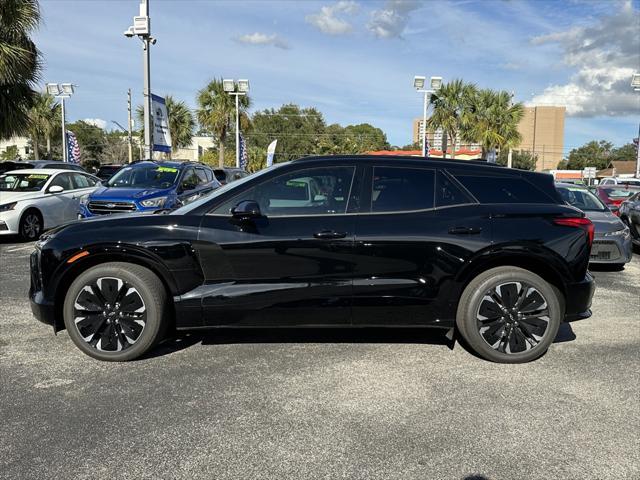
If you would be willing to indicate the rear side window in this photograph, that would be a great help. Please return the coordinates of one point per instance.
(448, 193)
(220, 175)
(209, 175)
(507, 189)
(202, 176)
(398, 189)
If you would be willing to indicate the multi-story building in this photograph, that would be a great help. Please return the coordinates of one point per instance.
(542, 130)
(22, 144)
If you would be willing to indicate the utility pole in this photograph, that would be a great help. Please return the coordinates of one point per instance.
(237, 134)
(130, 137)
(64, 133)
(142, 28)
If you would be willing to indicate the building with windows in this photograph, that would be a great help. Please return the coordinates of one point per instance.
(542, 130)
(21, 143)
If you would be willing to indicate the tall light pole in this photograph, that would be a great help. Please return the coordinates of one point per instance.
(236, 89)
(635, 84)
(419, 84)
(142, 29)
(62, 91)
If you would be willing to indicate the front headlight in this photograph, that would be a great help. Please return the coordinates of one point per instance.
(7, 206)
(84, 200)
(157, 202)
(624, 232)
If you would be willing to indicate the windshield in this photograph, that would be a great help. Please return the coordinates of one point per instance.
(582, 199)
(631, 182)
(152, 176)
(225, 188)
(619, 192)
(23, 182)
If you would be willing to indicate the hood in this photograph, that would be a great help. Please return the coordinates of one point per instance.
(108, 193)
(605, 222)
(8, 197)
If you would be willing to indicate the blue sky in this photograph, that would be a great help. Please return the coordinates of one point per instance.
(355, 60)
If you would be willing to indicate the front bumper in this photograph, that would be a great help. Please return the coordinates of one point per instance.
(9, 222)
(579, 297)
(43, 309)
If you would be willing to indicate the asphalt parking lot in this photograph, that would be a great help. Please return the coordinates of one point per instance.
(356, 404)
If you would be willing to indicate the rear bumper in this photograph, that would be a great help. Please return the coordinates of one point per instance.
(579, 297)
(614, 250)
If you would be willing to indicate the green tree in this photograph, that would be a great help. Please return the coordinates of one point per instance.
(216, 113)
(591, 154)
(625, 153)
(492, 120)
(451, 108)
(521, 159)
(10, 153)
(91, 140)
(44, 121)
(19, 64)
(299, 131)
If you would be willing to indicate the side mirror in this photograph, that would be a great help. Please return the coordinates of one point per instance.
(246, 210)
(56, 189)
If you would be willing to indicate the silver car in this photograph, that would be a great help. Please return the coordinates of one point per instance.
(630, 214)
(612, 240)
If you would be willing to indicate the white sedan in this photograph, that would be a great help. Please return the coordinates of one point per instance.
(34, 200)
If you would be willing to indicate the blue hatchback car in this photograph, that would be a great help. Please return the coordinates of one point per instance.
(148, 186)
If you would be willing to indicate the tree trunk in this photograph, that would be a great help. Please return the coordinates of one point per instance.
(453, 146)
(221, 155)
(48, 147)
(36, 152)
(445, 138)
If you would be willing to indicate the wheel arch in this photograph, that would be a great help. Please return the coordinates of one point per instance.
(107, 255)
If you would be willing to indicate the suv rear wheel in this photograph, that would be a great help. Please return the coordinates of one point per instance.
(509, 315)
(116, 311)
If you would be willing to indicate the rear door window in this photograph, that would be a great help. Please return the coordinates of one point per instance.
(397, 189)
(448, 193)
(502, 189)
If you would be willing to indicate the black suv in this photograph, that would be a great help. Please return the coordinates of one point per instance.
(488, 252)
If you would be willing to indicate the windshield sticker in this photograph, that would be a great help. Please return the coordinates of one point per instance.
(37, 176)
(166, 169)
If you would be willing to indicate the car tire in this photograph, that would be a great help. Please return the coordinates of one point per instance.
(31, 225)
(509, 315)
(116, 311)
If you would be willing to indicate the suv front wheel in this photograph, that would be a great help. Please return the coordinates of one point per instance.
(509, 315)
(116, 311)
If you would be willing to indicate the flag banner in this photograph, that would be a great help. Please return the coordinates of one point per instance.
(244, 157)
(160, 119)
(73, 148)
(271, 150)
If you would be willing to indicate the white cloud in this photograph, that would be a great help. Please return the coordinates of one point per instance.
(328, 20)
(604, 55)
(391, 20)
(97, 122)
(258, 38)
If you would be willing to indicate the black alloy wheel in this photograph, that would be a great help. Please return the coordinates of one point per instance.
(30, 225)
(509, 315)
(513, 317)
(110, 314)
(116, 311)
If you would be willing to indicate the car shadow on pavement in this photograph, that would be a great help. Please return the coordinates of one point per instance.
(229, 336)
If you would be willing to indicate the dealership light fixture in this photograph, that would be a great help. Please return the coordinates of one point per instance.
(635, 81)
(419, 83)
(436, 83)
(241, 87)
(228, 85)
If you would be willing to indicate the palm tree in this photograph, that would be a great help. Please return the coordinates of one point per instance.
(450, 105)
(216, 113)
(492, 120)
(44, 119)
(181, 122)
(19, 64)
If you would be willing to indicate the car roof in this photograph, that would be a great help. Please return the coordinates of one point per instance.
(164, 163)
(572, 185)
(41, 171)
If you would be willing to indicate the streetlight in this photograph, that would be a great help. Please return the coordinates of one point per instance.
(142, 29)
(635, 84)
(241, 87)
(62, 91)
(419, 84)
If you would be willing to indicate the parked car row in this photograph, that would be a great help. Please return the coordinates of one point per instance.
(36, 199)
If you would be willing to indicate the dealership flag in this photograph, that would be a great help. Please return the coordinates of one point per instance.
(161, 137)
(73, 148)
(271, 150)
(243, 153)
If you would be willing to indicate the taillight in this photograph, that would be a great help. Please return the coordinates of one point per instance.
(577, 222)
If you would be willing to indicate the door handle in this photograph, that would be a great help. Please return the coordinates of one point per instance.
(464, 230)
(329, 234)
